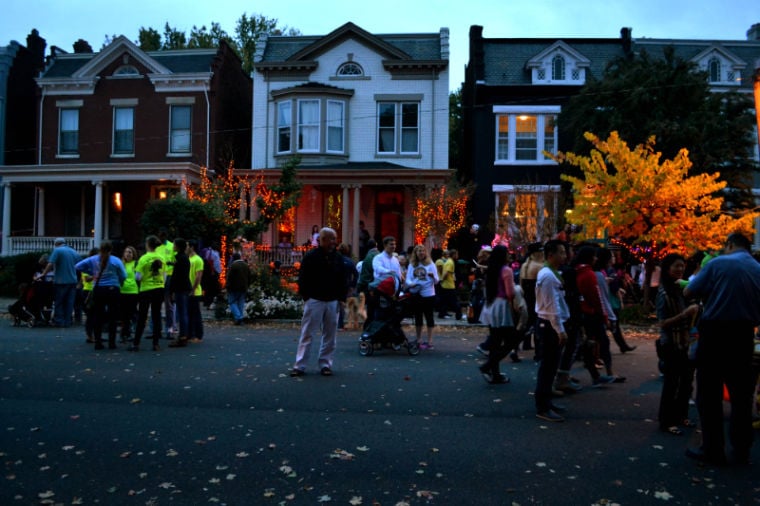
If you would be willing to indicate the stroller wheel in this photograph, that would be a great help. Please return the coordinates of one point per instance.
(366, 348)
(413, 348)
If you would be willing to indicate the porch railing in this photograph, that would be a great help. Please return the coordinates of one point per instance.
(287, 256)
(29, 244)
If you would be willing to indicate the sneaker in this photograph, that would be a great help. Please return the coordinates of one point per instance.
(558, 408)
(196, 340)
(607, 379)
(568, 387)
(550, 416)
(178, 343)
(602, 381)
(482, 350)
(296, 373)
(486, 373)
(424, 346)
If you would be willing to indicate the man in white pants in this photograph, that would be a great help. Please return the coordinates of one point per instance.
(322, 282)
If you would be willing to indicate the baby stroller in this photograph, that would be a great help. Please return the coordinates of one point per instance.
(34, 305)
(385, 330)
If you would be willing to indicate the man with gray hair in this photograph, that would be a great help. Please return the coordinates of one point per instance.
(63, 261)
(322, 284)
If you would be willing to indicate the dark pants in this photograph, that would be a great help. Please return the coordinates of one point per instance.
(106, 313)
(63, 309)
(548, 340)
(128, 313)
(678, 375)
(501, 340)
(181, 300)
(372, 305)
(194, 317)
(597, 344)
(449, 301)
(150, 299)
(724, 355)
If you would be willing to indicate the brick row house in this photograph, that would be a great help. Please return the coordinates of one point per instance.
(513, 92)
(368, 117)
(117, 128)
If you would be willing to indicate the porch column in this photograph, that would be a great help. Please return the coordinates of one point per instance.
(183, 187)
(98, 224)
(6, 232)
(355, 221)
(40, 210)
(83, 212)
(344, 217)
(107, 215)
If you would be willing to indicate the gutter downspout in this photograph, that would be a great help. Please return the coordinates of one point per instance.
(433, 114)
(208, 122)
(39, 140)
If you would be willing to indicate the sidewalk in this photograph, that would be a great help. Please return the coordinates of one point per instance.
(208, 315)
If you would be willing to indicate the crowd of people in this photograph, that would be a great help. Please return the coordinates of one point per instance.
(561, 300)
(163, 288)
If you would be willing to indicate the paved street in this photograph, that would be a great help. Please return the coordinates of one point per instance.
(222, 423)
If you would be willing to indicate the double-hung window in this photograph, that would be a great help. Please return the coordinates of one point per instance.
(308, 125)
(335, 126)
(284, 126)
(123, 131)
(398, 127)
(524, 133)
(68, 141)
(180, 128)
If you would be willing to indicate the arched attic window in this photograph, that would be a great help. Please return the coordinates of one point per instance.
(126, 70)
(558, 68)
(713, 67)
(350, 69)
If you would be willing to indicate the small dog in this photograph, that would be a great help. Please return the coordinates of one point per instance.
(356, 311)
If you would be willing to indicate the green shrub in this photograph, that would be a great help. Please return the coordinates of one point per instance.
(18, 269)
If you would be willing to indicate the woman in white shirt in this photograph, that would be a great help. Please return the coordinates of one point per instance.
(421, 277)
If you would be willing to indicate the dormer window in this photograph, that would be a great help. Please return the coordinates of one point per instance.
(558, 68)
(126, 71)
(350, 69)
(714, 70)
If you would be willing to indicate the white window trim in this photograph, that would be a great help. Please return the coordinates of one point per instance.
(512, 111)
(277, 127)
(76, 107)
(318, 124)
(342, 127)
(114, 154)
(190, 147)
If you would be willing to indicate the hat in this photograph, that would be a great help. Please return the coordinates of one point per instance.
(59, 240)
(476, 227)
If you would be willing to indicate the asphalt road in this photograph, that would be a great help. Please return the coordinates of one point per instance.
(222, 423)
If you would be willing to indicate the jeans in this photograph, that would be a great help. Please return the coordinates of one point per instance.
(65, 293)
(236, 301)
(181, 300)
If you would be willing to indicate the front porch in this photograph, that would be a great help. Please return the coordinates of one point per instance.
(28, 244)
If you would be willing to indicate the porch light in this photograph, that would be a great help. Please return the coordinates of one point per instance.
(162, 194)
(117, 202)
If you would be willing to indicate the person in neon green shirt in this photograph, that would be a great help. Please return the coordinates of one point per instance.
(129, 293)
(195, 320)
(448, 287)
(166, 249)
(150, 274)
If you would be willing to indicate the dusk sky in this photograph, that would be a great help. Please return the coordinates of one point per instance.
(62, 22)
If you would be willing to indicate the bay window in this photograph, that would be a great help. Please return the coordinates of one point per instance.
(308, 125)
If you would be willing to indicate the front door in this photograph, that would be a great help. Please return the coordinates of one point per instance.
(389, 217)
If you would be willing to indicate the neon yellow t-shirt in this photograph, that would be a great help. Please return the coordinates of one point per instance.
(196, 266)
(167, 251)
(150, 281)
(130, 283)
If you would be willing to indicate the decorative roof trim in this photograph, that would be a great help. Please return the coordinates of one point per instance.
(737, 63)
(415, 64)
(343, 31)
(106, 56)
(538, 60)
(286, 66)
(312, 89)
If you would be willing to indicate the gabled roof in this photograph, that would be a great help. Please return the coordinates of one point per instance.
(717, 48)
(507, 61)
(559, 46)
(116, 48)
(396, 49)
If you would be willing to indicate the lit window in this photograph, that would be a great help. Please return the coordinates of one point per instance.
(68, 143)
(123, 131)
(179, 134)
(523, 138)
(350, 69)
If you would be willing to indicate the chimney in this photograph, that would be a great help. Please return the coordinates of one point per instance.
(477, 53)
(754, 32)
(82, 46)
(36, 46)
(625, 39)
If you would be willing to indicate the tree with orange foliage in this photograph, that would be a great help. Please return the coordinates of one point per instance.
(647, 202)
(440, 211)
